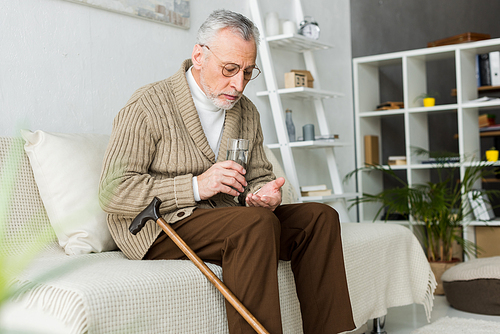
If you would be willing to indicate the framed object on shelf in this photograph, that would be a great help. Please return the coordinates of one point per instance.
(481, 206)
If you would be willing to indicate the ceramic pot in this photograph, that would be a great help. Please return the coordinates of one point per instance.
(272, 24)
(492, 155)
(429, 102)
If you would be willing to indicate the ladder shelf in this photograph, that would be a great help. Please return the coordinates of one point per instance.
(305, 46)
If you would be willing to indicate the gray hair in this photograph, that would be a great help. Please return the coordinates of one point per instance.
(221, 19)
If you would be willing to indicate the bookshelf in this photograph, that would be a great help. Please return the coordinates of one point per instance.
(414, 119)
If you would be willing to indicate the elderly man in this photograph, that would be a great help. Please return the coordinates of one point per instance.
(170, 141)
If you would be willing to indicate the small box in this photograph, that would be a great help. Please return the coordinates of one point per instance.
(487, 240)
(293, 80)
(486, 120)
(371, 150)
(310, 79)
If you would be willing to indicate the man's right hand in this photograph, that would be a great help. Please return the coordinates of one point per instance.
(223, 177)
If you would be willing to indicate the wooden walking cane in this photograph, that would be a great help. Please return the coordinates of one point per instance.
(152, 212)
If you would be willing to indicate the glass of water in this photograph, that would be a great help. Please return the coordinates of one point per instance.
(237, 151)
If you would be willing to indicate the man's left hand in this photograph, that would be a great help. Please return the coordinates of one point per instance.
(269, 196)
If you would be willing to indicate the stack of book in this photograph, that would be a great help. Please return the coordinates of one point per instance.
(396, 160)
(321, 137)
(317, 190)
(488, 69)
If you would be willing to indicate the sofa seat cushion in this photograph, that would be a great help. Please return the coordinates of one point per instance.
(107, 293)
(474, 286)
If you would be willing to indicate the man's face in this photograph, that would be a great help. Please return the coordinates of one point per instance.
(226, 48)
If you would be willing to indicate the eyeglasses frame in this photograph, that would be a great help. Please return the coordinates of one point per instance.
(233, 64)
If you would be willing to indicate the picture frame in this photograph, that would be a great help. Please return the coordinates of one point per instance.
(481, 206)
(170, 12)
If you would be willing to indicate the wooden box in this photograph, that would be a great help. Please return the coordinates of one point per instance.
(310, 79)
(371, 150)
(488, 239)
(462, 38)
(293, 80)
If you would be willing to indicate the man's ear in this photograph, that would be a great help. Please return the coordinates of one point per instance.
(197, 57)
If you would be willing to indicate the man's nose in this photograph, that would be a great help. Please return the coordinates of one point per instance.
(238, 82)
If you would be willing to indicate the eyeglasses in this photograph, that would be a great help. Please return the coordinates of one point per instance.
(231, 69)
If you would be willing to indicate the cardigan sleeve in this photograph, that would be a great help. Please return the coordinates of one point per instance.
(127, 185)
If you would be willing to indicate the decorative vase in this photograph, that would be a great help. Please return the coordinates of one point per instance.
(290, 127)
(438, 268)
(289, 27)
(492, 155)
(429, 102)
(272, 24)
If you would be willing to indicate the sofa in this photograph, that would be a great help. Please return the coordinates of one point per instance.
(78, 282)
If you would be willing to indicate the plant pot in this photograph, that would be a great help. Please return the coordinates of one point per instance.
(438, 268)
(429, 102)
(492, 155)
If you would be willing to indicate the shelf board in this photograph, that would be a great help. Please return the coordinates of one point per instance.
(487, 88)
(443, 107)
(490, 180)
(488, 133)
(391, 112)
(377, 113)
(494, 222)
(304, 93)
(296, 43)
(479, 89)
(311, 144)
(487, 104)
(328, 198)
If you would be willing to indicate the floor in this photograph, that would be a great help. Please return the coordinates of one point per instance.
(404, 319)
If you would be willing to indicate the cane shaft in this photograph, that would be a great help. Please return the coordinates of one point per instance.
(231, 298)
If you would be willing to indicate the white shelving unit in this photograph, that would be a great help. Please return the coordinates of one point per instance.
(413, 66)
(305, 46)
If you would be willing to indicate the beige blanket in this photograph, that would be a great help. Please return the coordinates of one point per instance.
(106, 293)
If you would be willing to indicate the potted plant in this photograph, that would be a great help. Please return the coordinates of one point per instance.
(428, 99)
(439, 207)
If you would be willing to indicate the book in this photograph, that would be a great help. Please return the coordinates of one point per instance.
(326, 192)
(321, 137)
(313, 188)
(441, 160)
(495, 127)
(495, 68)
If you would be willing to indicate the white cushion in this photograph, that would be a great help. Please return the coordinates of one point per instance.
(67, 168)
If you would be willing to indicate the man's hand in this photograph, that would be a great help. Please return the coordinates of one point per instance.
(269, 196)
(223, 177)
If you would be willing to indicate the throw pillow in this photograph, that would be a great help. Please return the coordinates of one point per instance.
(67, 168)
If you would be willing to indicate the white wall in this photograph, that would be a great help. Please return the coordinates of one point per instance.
(66, 67)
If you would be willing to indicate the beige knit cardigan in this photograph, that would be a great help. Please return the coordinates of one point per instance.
(157, 145)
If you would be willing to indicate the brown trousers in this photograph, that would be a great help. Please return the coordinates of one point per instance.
(248, 242)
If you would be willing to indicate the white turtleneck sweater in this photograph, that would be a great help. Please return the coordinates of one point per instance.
(211, 117)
